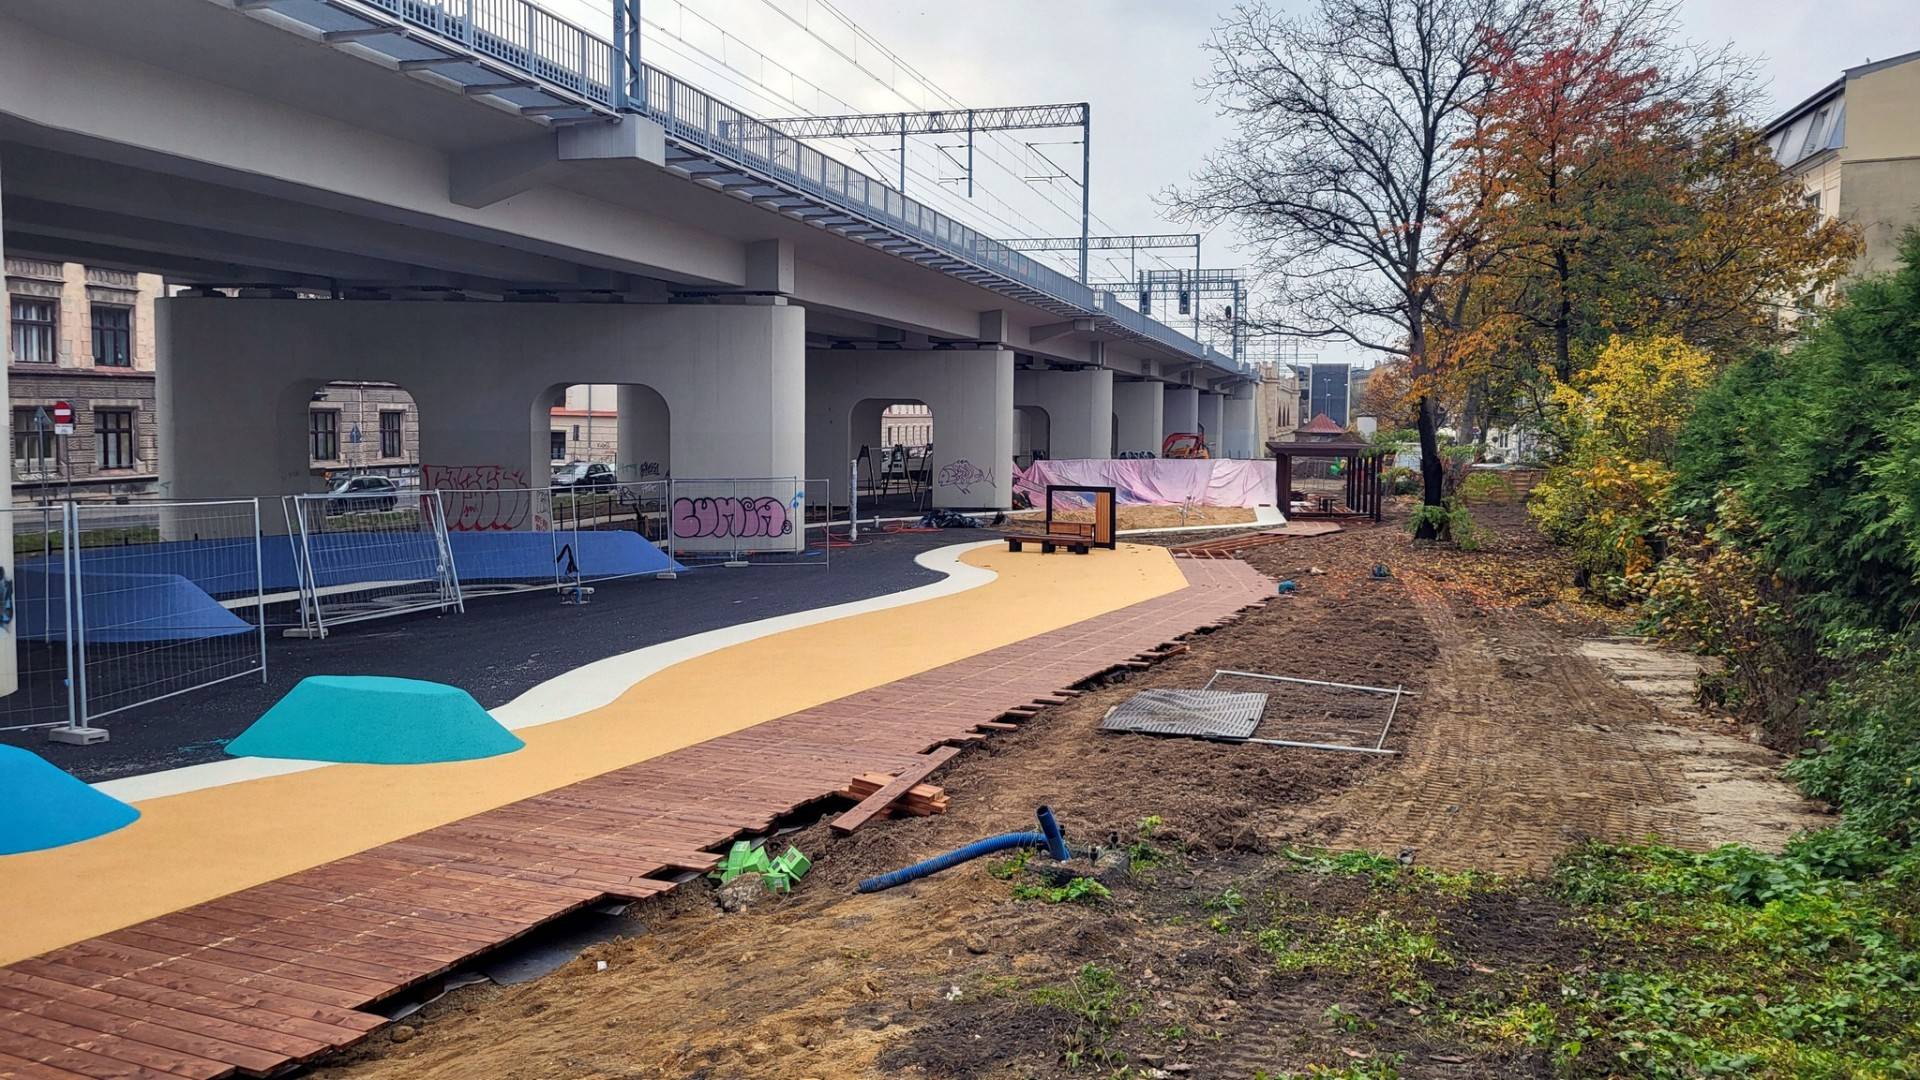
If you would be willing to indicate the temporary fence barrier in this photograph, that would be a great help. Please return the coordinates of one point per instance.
(513, 539)
(39, 619)
(118, 605)
(738, 521)
(369, 556)
(172, 599)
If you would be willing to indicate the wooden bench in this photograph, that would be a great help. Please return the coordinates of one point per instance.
(1075, 536)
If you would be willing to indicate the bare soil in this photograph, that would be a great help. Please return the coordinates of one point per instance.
(1517, 746)
(1145, 516)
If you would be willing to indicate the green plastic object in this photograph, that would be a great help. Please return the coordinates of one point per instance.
(375, 720)
(790, 867)
(742, 858)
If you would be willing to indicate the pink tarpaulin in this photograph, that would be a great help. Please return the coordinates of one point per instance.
(1217, 482)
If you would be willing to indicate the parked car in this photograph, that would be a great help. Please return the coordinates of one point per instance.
(358, 494)
(586, 476)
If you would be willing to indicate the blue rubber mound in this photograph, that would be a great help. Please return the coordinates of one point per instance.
(121, 607)
(375, 720)
(42, 807)
(534, 556)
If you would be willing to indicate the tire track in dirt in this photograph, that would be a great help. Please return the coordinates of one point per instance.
(1525, 748)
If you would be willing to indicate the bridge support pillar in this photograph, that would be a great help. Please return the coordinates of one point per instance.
(1138, 408)
(1239, 436)
(237, 379)
(9, 640)
(1211, 423)
(1182, 412)
(1079, 408)
(969, 392)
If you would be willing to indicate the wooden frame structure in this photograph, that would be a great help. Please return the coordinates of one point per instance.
(1365, 465)
(1078, 537)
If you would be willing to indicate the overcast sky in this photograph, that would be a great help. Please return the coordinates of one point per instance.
(1135, 61)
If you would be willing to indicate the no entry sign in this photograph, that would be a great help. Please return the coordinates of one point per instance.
(62, 418)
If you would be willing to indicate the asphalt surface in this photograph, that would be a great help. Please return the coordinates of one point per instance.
(501, 647)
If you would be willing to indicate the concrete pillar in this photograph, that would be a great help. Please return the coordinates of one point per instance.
(1139, 406)
(1239, 436)
(1182, 411)
(1210, 422)
(969, 391)
(237, 375)
(1079, 408)
(9, 641)
(646, 430)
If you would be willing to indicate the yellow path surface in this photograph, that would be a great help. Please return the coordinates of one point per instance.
(193, 847)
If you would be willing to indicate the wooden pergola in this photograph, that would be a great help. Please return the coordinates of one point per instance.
(1364, 464)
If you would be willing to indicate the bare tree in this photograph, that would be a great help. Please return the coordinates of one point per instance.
(1339, 176)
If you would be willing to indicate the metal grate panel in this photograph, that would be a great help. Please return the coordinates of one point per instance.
(1206, 714)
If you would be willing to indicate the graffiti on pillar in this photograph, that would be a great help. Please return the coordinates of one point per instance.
(481, 498)
(649, 468)
(964, 474)
(742, 518)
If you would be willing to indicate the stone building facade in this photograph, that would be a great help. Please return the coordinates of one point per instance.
(82, 335)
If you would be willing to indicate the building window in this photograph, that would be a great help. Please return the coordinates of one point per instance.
(33, 451)
(33, 331)
(391, 445)
(323, 433)
(557, 445)
(113, 437)
(112, 336)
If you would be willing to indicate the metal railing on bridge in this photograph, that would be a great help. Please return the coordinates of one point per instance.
(571, 62)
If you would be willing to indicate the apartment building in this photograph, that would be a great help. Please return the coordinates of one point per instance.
(1855, 146)
(82, 335)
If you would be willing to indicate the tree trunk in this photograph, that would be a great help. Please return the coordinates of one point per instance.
(1432, 473)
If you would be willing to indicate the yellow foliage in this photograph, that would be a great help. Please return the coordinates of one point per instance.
(1609, 492)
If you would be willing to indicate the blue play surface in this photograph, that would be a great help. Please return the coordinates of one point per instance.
(43, 807)
(375, 720)
(170, 591)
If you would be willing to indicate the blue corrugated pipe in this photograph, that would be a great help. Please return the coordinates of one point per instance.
(1048, 837)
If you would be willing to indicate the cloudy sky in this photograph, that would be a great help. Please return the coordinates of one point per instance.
(1135, 61)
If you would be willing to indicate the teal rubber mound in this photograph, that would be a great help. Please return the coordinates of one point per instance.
(43, 807)
(375, 720)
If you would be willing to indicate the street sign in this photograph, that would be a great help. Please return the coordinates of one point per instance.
(62, 418)
(41, 421)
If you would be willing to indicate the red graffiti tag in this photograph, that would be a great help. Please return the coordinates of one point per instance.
(480, 498)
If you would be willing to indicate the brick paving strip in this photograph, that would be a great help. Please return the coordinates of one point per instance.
(278, 974)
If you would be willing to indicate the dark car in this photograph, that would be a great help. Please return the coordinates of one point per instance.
(585, 476)
(359, 494)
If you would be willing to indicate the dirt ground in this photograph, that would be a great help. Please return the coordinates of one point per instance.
(1146, 516)
(1517, 746)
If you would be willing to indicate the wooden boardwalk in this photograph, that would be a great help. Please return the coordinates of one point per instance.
(281, 973)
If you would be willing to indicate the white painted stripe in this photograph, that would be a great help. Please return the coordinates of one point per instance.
(590, 686)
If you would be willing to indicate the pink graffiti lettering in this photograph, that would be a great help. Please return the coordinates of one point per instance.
(728, 517)
(480, 498)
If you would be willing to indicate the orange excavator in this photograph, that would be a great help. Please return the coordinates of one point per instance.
(1184, 444)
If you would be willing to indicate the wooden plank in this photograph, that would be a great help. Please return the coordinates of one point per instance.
(14, 1068)
(181, 1012)
(184, 1039)
(880, 800)
(82, 1062)
(145, 1056)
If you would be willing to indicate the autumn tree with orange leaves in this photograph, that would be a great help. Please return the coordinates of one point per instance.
(1612, 188)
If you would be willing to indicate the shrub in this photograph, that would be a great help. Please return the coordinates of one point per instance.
(1869, 762)
(1608, 494)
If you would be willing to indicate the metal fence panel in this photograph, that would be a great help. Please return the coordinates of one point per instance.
(748, 520)
(40, 620)
(361, 557)
(593, 527)
(171, 599)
